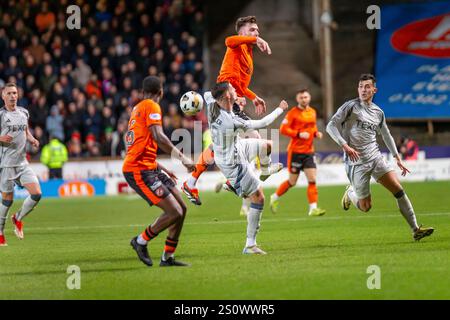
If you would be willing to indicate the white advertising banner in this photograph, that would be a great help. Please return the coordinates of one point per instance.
(327, 174)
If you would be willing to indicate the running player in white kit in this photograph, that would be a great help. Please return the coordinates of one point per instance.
(355, 127)
(233, 154)
(14, 168)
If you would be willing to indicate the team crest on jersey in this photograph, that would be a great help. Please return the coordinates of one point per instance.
(129, 138)
(132, 122)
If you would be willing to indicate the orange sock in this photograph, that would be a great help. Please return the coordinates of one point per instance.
(312, 193)
(283, 188)
(170, 246)
(206, 158)
(148, 234)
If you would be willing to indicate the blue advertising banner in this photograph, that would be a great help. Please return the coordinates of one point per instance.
(413, 61)
(63, 189)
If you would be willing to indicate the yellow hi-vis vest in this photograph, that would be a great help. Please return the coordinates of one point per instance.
(54, 154)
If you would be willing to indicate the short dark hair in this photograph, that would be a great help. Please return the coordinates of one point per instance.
(151, 85)
(303, 90)
(219, 89)
(243, 21)
(367, 76)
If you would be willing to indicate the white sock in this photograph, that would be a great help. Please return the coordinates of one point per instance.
(352, 195)
(312, 206)
(407, 211)
(246, 203)
(167, 255)
(140, 240)
(265, 162)
(27, 206)
(191, 181)
(3, 215)
(253, 219)
(274, 196)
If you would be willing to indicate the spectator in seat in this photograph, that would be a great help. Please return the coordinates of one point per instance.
(75, 148)
(92, 121)
(54, 124)
(45, 19)
(409, 149)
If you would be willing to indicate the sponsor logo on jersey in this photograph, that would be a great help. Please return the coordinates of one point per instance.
(366, 125)
(17, 127)
(155, 116)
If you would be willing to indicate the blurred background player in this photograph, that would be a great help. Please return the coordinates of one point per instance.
(233, 155)
(54, 155)
(408, 148)
(300, 125)
(355, 126)
(149, 179)
(14, 134)
(237, 68)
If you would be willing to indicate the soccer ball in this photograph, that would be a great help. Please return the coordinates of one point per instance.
(191, 103)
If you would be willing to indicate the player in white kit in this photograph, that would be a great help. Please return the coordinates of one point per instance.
(233, 154)
(355, 127)
(14, 167)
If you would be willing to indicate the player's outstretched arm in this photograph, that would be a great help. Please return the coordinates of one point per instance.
(260, 105)
(6, 139)
(34, 142)
(336, 122)
(400, 164)
(387, 138)
(169, 172)
(287, 126)
(166, 145)
(263, 45)
(264, 122)
(236, 41)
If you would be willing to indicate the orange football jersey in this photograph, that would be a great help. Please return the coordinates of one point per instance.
(237, 65)
(296, 121)
(141, 147)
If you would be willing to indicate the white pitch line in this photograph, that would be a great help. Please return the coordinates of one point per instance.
(360, 216)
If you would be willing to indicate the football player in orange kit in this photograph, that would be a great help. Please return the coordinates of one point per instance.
(151, 180)
(300, 125)
(237, 69)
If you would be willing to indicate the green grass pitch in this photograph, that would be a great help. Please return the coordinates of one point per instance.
(308, 257)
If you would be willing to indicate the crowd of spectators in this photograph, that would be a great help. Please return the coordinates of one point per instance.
(80, 85)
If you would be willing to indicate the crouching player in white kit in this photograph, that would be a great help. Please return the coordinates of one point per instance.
(233, 154)
(355, 127)
(14, 134)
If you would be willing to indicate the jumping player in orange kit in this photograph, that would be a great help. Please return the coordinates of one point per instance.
(237, 69)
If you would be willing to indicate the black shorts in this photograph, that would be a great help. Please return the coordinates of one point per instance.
(241, 114)
(152, 185)
(300, 161)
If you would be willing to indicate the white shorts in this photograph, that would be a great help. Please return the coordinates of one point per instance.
(242, 176)
(19, 175)
(359, 175)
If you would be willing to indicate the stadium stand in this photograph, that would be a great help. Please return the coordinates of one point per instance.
(80, 85)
